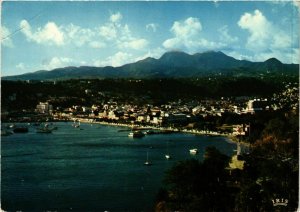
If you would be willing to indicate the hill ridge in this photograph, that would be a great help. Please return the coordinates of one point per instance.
(170, 64)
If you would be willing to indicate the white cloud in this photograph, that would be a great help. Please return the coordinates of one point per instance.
(187, 36)
(117, 34)
(109, 31)
(263, 34)
(49, 34)
(281, 40)
(152, 27)
(112, 33)
(189, 28)
(57, 62)
(259, 29)
(191, 45)
(78, 35)
(134, 44)
(266, 39)
(172, 43)
(185, 33)
(20, 66)
(116, 17)
(118, 59)
(5, 37)
(225, 37)
(71, 34)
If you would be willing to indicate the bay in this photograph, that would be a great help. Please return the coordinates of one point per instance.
(91, 168)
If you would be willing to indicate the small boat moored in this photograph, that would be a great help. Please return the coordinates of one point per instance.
(193, 151)
(6, 133)
(44, 130)
(136, 134)
(147, 162)
(20, 130)
(167, 157)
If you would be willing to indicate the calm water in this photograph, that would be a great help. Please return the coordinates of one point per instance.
(97, 168)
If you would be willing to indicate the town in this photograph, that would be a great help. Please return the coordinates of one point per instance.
(231, 115)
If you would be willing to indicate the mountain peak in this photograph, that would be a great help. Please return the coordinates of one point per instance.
(273, 61)
(176, 59)
(174, 52)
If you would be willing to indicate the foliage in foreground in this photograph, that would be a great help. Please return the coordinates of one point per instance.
(270, 173)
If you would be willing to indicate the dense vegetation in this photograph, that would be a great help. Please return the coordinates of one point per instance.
(151, 91)
(270, 174)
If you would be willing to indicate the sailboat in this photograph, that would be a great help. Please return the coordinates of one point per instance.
(147, 162)
(168, 156)
(76, 125)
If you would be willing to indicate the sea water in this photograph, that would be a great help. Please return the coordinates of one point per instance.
(91, 168)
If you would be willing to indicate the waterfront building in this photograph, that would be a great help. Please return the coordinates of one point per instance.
(44, 107)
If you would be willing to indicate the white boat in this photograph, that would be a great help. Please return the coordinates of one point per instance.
(167, 156)
(136, 134)
(147, 162)
(193, 151)
(76, 124)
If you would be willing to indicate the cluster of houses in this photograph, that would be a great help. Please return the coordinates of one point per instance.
(172, 113)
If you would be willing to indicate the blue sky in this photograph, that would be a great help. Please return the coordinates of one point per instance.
(47, 35)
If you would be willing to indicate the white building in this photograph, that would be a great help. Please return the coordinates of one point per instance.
(112, 115)
(44, 107)
(256, 105)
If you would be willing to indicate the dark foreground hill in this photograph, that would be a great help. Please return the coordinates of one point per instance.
(170, 65)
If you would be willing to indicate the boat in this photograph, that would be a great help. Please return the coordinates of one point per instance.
(44, 130)
(21, 130)
(167, 156)
(150, 132)
(193, 151)
(76, 124)
(147, 162)
(54, 128)
(6, 133)
(136, 134)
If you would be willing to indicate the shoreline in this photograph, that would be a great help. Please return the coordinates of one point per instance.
(230, 138)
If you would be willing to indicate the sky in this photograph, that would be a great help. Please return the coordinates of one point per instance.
(37, 35)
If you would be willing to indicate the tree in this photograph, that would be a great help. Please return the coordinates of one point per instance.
(199, 186)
